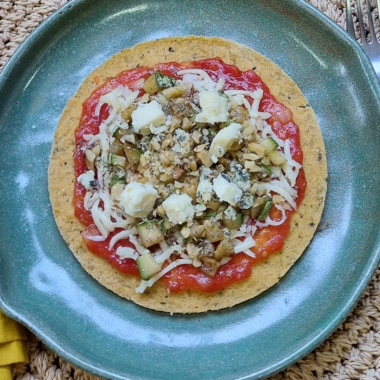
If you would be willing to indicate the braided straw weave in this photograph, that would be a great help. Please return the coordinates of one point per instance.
(353, 350)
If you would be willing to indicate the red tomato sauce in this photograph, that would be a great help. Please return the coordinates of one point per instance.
(268, 239)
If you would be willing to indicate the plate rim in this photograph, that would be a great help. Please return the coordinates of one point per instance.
(11, 310)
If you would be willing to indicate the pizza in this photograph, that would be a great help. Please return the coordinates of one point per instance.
(188, 174)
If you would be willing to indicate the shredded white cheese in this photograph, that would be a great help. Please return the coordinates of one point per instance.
(241, 246)
(206, 82)
(165, 255)
(267, 131)
(122, 235)
(137, 200)
(95, 213)
(270, 222)
(279, 190)
(118, 99)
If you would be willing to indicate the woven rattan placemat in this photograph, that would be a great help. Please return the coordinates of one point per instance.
(351, 352)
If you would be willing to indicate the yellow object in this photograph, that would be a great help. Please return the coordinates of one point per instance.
(13, 349)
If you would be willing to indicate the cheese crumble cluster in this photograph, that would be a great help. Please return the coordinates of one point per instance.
(188, 171)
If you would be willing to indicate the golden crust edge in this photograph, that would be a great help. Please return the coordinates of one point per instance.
(61, 175)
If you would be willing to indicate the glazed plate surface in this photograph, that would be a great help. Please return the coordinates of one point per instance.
(43, 286)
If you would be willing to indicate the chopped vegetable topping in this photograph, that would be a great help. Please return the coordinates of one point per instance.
(185, 164)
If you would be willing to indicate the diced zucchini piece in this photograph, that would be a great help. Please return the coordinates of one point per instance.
(150, 233)
(266, 169)
(118, 171)
(119, 133)
(114, 159)
(269, 144)
(150, 85)
(233, 224)
(225, 249)
(222, 208)
(147, 265)
(209, 266)
(133, 154)
(164, 81)
(163, 228)
(258, 205)
(117, 148)
(116, 179)
(213, 205)
(192, 119)
(257, 149)
(276, 158)
(196, 230)
(209, 215)
(265, 211)
(214, 231)
(265, 160)
(158, 81)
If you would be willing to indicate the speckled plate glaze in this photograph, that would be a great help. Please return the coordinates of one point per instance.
(44, 287)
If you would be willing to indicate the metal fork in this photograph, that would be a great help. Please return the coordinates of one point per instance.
(371, 48)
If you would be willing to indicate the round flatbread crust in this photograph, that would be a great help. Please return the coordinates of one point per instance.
(304, 221)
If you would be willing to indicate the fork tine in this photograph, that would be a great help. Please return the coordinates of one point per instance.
(349, 19)
(361, 23)
(370, 23)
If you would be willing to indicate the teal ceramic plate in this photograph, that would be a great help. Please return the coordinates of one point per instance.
(43, 286)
